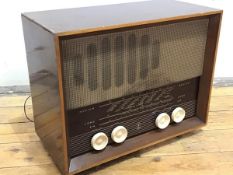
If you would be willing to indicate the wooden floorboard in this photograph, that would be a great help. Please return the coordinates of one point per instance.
(14, 114)
(206, 151)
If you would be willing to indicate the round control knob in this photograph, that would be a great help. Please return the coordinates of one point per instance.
(119, 134)
(178, 115)
(162, 121)
(99, 141)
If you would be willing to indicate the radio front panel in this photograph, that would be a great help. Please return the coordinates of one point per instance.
(128, 78)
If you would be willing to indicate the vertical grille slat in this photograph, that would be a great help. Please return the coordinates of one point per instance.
(92, 66)
(106, 63)
(119, 61)
(155, 54)
(144, 56)
(79, 70)
(132, 62)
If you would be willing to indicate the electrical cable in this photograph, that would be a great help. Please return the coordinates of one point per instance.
(24, 107)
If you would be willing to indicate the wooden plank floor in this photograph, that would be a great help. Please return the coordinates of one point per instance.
(206, 151)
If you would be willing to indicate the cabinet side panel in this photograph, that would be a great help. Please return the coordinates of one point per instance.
(43, 73)
(208, 67)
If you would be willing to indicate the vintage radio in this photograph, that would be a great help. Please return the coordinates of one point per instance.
(110, 80)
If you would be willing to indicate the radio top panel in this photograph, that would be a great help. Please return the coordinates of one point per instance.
(81, 20)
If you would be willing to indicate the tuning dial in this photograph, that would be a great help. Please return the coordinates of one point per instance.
(119, 134)
(162, 121)
(178, 115)
(99, 141)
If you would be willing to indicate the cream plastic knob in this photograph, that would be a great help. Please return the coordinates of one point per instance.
(119, 134)
(99, 141)
(178, 115)
(162, 121)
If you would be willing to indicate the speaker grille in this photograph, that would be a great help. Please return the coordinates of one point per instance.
(107, 66)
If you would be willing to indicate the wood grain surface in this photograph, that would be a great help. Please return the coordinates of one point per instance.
(209, 150)
(79, 20)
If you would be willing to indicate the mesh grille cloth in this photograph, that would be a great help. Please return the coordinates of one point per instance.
(103, 67)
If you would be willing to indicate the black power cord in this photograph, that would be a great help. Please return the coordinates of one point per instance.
(24, 107)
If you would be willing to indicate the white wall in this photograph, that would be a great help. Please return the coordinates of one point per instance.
(13, 66)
